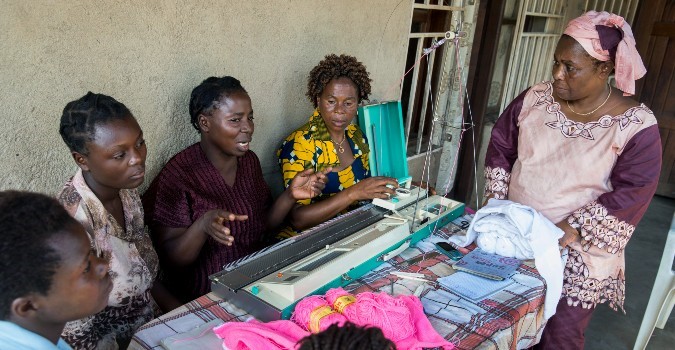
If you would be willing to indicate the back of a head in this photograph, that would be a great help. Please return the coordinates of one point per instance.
(347, 337)
(204, 97)
(80, 117)
(27, 261)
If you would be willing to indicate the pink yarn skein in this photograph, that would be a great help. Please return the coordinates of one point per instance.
(380, 310)
(315, 310)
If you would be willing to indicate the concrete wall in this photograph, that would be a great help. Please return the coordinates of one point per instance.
(150, 54)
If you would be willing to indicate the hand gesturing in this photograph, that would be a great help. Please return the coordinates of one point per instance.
(308, 184)
(213, 224)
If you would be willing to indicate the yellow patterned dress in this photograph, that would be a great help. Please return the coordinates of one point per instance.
(310, 146)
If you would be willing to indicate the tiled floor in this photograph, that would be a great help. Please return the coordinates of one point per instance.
(614, 330)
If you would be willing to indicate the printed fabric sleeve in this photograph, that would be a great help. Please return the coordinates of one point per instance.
(295, 156)
(502, 150)
(609, 221)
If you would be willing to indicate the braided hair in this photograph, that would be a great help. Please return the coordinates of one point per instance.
(206, 96)
(333, 67)
(27, 261)
(347, 337)
(80, 118)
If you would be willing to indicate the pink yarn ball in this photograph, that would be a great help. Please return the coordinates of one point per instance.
(377, 310)
(303, 314)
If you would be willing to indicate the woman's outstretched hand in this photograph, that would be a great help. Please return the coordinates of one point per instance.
(213, 224)
(308, 184)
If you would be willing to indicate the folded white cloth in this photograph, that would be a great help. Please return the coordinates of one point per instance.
(514, 230)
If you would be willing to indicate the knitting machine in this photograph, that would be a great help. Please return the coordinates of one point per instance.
(269, 283)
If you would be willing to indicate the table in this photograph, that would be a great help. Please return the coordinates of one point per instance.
(512, 318)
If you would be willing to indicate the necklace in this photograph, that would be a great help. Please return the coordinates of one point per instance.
(596, 109)
(339, 145)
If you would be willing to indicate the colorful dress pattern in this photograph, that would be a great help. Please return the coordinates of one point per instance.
(133, 267)
(310, 146)
(599, 176)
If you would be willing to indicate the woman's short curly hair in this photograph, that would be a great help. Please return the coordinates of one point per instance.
(334, 66)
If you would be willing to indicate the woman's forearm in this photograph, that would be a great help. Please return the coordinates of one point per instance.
(282, 205)
(181, 246)
(305, 216)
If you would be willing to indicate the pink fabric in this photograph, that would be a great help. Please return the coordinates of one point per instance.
(285, 334)
(628, 66)
(255, 335)
(369, 307)
(379, 310)
(425, 336)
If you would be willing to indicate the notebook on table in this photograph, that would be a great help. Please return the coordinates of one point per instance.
(487, 265)
(473, 287)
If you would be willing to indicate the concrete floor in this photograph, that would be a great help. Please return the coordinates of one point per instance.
(614, 330)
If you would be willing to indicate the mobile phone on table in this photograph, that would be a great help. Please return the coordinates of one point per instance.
(448, 250)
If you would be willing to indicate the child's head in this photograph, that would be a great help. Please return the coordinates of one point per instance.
(220, 109)
(105, 141)
(347, 336)
(47, 272)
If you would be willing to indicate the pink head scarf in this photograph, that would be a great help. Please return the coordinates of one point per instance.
(588, 31)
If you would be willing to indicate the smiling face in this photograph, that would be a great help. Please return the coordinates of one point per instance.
(115, 157)
(80, 285)
(576, 74)
(338, 104)
(230, 126)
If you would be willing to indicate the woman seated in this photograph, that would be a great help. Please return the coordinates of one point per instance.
(588, 158)
(210, 204)
(335, 86)
(107, 145)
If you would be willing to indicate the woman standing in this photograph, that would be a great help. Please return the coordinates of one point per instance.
(588, 158)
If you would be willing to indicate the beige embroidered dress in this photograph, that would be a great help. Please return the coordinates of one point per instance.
(599, 176)
(133, 267)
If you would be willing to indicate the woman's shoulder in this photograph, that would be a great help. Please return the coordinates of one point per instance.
(69, 197)
(184, 161)
(628, 110)
(300, 138)
(187, 156)
(301, 133)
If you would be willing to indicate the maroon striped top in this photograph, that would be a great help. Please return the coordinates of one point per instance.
(186, 188)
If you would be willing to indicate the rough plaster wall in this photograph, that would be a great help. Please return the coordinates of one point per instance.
(150, 54)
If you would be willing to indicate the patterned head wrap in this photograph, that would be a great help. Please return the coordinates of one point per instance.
(606, 36)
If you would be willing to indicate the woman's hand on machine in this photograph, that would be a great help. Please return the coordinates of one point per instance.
(373, 187)
(213, 224)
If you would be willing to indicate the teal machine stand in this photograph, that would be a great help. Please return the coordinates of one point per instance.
(383, 125)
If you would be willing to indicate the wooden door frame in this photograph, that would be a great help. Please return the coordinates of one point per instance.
(642, 29)
(648, 26)
(481, 69)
